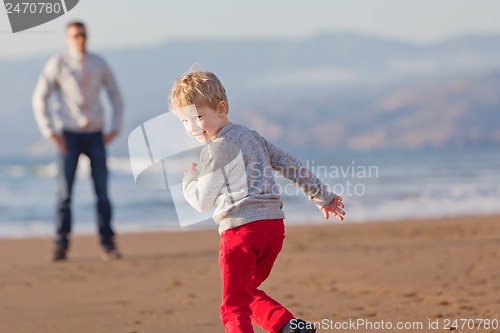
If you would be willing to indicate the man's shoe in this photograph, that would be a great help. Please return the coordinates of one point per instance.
(60, 253)
(301, 326)
(110, 252)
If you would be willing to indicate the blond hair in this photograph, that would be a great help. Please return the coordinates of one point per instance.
(199, 88)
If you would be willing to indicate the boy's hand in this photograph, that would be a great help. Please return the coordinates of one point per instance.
(190, 168)
(334, 208)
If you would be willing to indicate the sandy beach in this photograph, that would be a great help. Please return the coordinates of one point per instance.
(431, 271)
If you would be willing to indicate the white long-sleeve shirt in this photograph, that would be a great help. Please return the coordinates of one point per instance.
(78, 106)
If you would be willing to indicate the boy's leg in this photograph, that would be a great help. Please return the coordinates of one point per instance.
(237, 264)
(240, 251)
(267, 313)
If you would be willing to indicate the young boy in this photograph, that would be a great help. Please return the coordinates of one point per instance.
(235, 177)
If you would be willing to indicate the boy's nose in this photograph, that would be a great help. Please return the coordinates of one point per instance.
(192, 127)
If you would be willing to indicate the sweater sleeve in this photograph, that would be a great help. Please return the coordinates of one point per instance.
(293, 169)
(201, 189)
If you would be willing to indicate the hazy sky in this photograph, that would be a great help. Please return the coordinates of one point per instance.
(127, 23)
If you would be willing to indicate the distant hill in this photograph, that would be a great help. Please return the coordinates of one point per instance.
(330, 90)
(455, 112)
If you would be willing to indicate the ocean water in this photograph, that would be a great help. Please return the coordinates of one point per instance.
(375, 186)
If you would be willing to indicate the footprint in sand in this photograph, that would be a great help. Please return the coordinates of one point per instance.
(176, 283)
(410, 295)
(466, 307)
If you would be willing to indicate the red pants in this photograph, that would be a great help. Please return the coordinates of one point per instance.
(246, 257)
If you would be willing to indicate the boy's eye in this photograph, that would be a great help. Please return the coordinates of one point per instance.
(184, 121)
(198, 117)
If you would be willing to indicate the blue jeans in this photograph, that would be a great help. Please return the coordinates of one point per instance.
(90, 144)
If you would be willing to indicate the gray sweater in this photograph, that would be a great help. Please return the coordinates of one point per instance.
(236, 177)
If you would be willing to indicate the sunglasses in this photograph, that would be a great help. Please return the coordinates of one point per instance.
(80, 35)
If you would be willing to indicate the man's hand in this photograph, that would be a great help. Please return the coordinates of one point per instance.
(107, 138)
(60, 142)
(334, 208)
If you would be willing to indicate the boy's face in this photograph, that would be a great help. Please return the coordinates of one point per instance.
(202, 122)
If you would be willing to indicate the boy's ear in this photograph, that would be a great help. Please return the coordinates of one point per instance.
(222, 108)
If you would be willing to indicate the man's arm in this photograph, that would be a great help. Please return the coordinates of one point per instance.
(116, 99)
(46, 84)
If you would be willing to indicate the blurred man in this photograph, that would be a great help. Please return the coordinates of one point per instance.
(77, 77)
